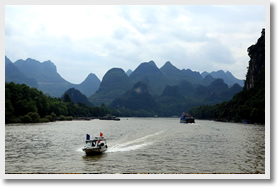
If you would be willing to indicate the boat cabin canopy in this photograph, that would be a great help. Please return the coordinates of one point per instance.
(94, 142)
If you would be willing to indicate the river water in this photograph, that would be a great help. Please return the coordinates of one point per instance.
(136, 145)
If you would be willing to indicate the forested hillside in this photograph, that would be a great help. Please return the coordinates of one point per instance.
(29, 105)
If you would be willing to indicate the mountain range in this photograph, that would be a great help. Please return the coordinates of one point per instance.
(44, 76)
(226, 76)
(168, 88)
(165, 91)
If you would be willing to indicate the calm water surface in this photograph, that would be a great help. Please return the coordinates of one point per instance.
(136, 145)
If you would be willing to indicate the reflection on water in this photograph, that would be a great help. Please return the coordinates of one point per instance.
(93, 158)
(136, 145)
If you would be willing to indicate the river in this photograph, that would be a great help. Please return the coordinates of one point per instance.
(136, 145)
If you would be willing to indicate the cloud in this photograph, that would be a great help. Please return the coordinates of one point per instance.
(84, 39)
(216, 53)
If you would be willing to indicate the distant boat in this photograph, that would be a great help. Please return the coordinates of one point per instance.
(95, 146)
(109, 117)
(186, 118)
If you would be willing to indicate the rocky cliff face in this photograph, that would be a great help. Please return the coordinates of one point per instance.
(248, 106)
(256, 64)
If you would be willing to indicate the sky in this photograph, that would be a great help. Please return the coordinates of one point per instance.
(84, 39)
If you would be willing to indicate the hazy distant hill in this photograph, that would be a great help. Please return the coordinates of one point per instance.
(138, 98)
(44, 76)
(192, 76)
(227, 77)
(45, 73)
(184, 96)
(176, 75)
(171, 71)
(90, 85)
(7, 60)
(77, 97)
(114, 84)
(208, 79)
(128, 72)
(218, 91)
(149, 74)
(13, 74)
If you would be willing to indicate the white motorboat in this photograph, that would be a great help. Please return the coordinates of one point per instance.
(95, 146)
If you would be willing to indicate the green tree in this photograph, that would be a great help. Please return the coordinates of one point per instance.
(26, 119)
(66, 98)
(27, 105)
(34, 116)
(9, 110)
(59, 108)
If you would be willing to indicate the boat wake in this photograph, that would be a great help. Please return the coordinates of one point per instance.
(79, 149)
(133, 144)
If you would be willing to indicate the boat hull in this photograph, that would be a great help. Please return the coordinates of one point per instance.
(94, 151)
(187, 120)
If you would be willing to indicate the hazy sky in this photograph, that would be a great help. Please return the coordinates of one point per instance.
(87, 39)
